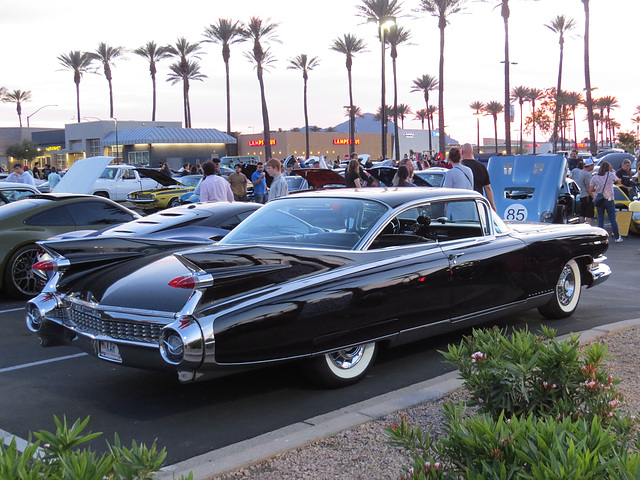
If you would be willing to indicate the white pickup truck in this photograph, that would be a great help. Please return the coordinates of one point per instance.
(94, 176)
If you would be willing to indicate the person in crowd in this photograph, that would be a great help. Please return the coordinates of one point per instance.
(238, 182)
(602, 184)
(279, 187)
(573, 173)
(216, 165)
(19, 175)
(422, 164)
(405, 162)
(259, 181)
(26, 169)
(54, 178)
(352, 178)
(624, 174)
(194, 170)
(36, 171)
(186, 170)
(213, 187)
(481, 180)
(582, 176)
(440, 161)
(573, 160)
(459, 176)
(46, 170)
(166, 170)
(403, 177)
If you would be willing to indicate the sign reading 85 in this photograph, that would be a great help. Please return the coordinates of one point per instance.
(515, 212)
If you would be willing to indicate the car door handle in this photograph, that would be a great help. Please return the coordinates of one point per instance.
(454, 256)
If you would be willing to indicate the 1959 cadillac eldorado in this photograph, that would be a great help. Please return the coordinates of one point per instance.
(325, 278)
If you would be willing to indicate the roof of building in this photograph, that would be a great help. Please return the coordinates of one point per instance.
(167, 135)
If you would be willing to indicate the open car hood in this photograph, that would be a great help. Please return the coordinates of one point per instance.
(319, 177)
(159, 177)
(82, 175)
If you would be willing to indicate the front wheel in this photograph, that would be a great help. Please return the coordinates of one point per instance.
(174, 202)
(566, 294)
(342, 367)
(20, 281)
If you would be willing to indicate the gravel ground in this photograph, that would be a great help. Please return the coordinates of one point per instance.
(361, 452)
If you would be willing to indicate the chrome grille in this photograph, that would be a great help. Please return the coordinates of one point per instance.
(90, 321)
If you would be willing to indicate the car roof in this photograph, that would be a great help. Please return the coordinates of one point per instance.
(392, 196)
(12, 185)
(44, 199)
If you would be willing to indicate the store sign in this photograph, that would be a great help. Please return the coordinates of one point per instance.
(579, 145)
(260, 143)
(53, 149)
(345, 141)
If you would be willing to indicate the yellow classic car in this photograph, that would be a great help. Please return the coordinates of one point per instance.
(623, 202)
(166, 196)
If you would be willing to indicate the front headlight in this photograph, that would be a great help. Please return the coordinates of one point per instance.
(546, 217)
(636, 216)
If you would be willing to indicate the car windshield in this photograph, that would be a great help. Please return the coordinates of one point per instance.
(318, 222)
(434, 179)
(189, 180)
(109, 173)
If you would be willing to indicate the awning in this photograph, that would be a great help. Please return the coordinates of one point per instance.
(167, 135)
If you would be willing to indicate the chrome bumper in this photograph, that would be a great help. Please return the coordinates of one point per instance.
(599, 272)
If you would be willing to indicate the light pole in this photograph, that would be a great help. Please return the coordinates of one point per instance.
(383, 24)
(477, 114)
(29, 116)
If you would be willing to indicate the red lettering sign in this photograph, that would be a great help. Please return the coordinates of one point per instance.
(260, 143)
(344, 141)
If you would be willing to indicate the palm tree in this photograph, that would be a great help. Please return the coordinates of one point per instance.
(78, 62)
(106, 54)
(350, 45)
(185, 73)
(184, 67)
(520, 95)
(396, 36)
(533, 95)
(599, 104)
(357, 112)
(609, 103)
(493, 108)
(477, 106)
(426, 84)
(402, 110)
(305, 65)
(259, 32)
(637, 112)
(587, 80)
(573, 100)
(18, 97)
(432, 110)
(441, 9)
(153, 54)
(636, 121)
(381, 12)
(226, 33)
(423, 114)
(559, 25)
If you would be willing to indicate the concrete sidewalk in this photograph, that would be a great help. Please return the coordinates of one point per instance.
(254, 450)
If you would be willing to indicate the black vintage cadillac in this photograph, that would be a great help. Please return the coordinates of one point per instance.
(325, 278)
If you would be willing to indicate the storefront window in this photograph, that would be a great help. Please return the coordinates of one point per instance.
(139, 158)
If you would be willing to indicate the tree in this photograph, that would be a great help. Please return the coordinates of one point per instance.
(442, 10)
(153, 54)
(533, 95)
(381, 12)
(520, 95)
(425, 84)
(305, 65)
(401, 111)
(478, 107)
(396, 36)
(493, 108)
(18, 97)
(628, 141)
(350, 45)
(25, 150)
(79, 63)
(258, 32)
(573, 100)
(226, 33)
(185, 68)
(423, 114)
(559, 25)
(106, 54)
(185, 73)
(609, 103)
(587, 80)
(636, 121)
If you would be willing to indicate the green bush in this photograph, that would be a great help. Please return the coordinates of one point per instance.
(57, 456)
(545, 410)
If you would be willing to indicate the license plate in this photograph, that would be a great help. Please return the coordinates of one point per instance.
(109, 351)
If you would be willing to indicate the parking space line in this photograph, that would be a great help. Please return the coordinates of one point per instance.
(42, 362)
(12, 310)
(21, 443)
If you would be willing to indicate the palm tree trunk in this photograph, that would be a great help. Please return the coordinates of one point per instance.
(110, 98)
(78, 99)
(19, 110)
(521, 142)
(266, 134)
(575, 128)
(395, 111)
(442, 136)
(507, 104)
(587, 80)
(429, 119)
(306, 119)
(184, 102)
(558, 93)
(495, 129)
(383, 105)
(352, 115)
(226, 67)
(153, 101)
(533, 123)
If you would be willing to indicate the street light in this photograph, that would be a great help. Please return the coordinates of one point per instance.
(29, 116)
(384, 23)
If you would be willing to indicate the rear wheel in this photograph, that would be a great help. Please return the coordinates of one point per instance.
(20, 280)
(174, 202)
(566, 294)
(342, 367)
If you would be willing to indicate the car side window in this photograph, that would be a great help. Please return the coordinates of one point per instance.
(97, 213)
(54, 217)
(450, 220)
(230, 223)
(128, 174)
(406, 228)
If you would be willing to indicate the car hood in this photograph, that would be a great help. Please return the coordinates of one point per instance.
(82, 175)
(319, 177)
(159, 177)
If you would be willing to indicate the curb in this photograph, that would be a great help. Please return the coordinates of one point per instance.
(262, 447)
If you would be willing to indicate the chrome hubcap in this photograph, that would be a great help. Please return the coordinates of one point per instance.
(24, 277)
(348, 358)
(566, 286)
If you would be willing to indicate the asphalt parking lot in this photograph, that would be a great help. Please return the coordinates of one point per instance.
(193, 419)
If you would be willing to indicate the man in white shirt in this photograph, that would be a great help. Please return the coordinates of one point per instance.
(460, 176)
(214, 188)
(20, 176)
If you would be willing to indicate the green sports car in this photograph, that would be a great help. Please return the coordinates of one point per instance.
(168, 195)
(39, 217)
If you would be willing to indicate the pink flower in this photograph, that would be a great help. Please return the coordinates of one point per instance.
(436, 466)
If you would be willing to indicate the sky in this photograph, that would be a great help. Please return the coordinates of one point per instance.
(34, 34)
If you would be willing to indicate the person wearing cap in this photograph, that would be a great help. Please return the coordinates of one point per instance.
(583, 179)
